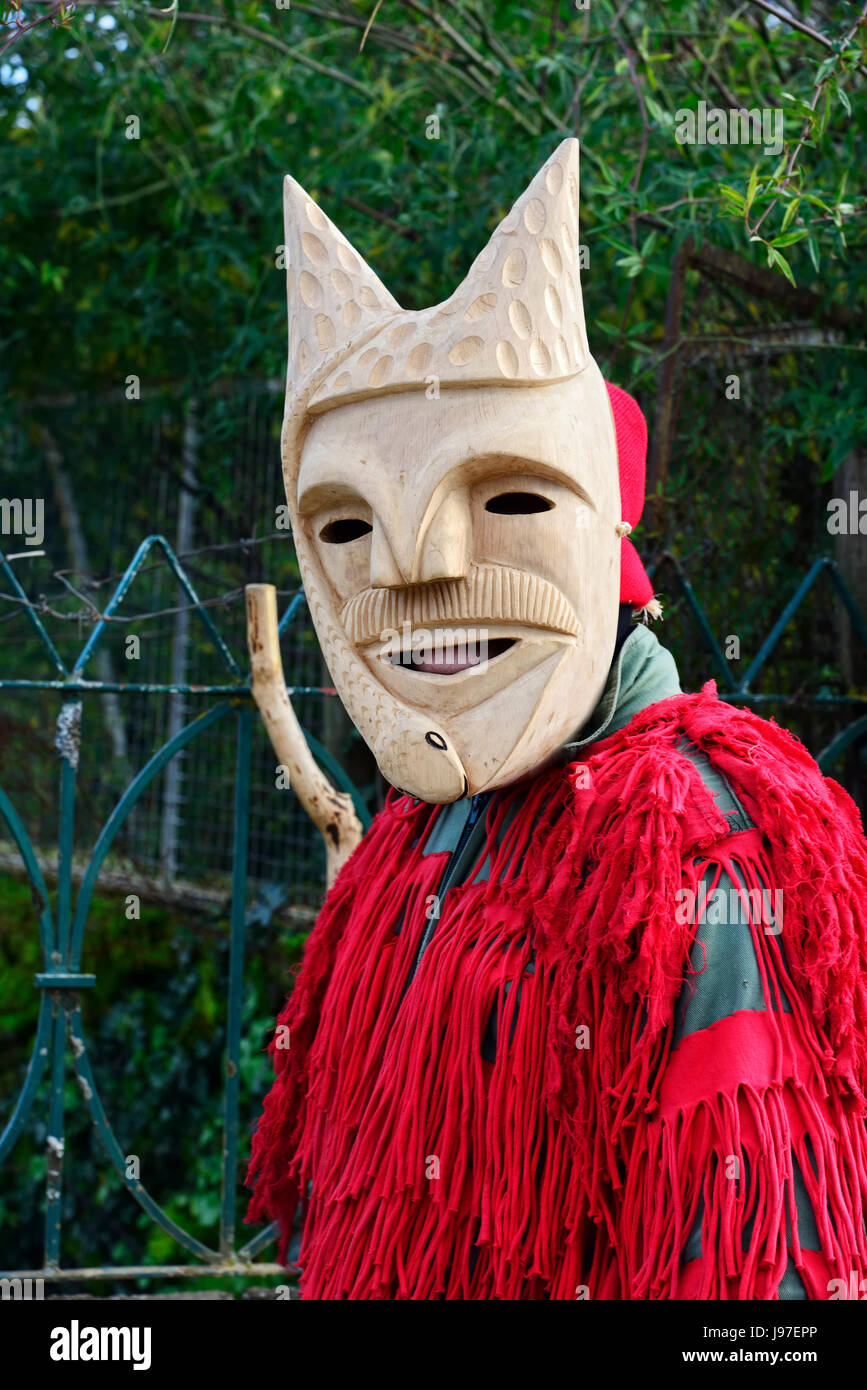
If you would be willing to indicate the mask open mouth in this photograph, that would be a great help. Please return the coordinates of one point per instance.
(452, 660)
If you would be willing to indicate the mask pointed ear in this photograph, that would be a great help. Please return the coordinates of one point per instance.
(517, 319)
(335, 300)
(529, 272)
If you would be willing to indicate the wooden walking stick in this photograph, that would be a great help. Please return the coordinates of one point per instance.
(332, 812)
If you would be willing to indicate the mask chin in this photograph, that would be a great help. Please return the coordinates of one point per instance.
(428, 767)
(412, 749)
(439, 755)
(518, 731)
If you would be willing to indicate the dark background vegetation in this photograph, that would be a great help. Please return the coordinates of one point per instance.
(156, 257)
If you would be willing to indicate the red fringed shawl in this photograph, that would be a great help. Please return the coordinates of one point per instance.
(578, 1161)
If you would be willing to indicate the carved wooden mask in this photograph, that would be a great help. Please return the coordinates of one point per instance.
(452, 482)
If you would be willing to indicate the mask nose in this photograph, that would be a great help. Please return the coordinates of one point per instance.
(443, 550)
(438, 551)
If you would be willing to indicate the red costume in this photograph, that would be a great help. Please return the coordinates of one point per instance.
(587, 1029)
(568, 1171)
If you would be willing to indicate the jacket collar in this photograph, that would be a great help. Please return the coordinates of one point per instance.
(642, 673)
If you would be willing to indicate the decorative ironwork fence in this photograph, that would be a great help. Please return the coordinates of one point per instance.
(64, 980)
(743, 691)
(61, 1032)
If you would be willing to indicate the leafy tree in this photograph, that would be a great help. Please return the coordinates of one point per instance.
(141, 157)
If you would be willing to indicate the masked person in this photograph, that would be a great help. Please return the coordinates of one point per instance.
(584, 1015)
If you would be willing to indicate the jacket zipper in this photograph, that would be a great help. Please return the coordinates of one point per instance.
(477, 804)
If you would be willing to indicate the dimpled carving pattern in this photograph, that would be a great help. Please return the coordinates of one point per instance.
(517, 318)
(335, 300)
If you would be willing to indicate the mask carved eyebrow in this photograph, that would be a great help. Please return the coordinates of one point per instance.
(328, 494)
(466, 471)
(509, 467)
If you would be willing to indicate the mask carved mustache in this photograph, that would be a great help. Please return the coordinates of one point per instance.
(489, 593)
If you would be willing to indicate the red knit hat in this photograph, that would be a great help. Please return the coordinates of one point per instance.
(630, 428)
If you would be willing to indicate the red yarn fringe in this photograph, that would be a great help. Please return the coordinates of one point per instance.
(562, 1171)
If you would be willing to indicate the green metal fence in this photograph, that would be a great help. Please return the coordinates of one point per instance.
(853, 733)
(63, 980)
(61, 1035)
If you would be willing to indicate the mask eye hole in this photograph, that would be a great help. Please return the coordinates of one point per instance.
(345, 529)
(518, 504)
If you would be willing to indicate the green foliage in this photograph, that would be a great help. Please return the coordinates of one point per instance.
(159, 251)
(155, 1030)
(156, 256)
